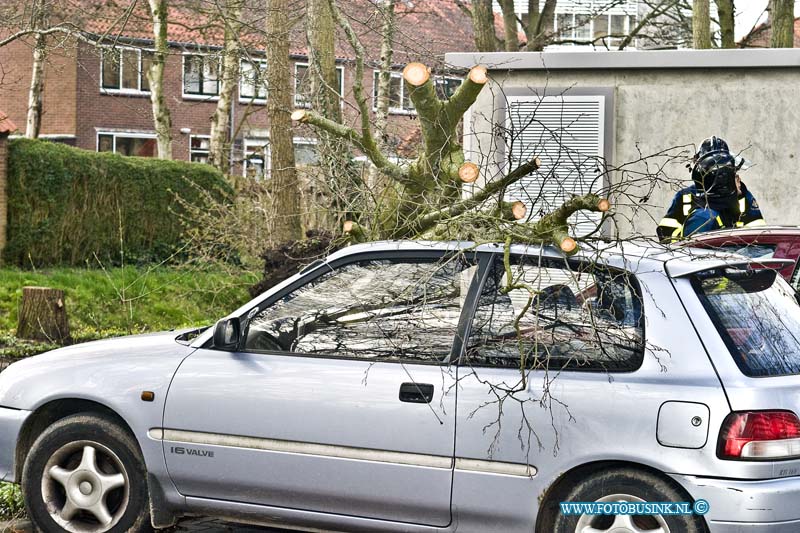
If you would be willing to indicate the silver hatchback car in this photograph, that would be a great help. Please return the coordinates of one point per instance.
(421, 387)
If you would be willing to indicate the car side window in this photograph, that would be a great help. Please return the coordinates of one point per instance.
(392, 310)
(557, 316)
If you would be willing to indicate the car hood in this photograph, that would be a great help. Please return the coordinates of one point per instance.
(93, 369)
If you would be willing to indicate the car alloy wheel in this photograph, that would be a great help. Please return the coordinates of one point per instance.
(621, 523)
(85, 487)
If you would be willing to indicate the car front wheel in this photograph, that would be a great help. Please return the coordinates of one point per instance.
(84, 474)
(631, 486)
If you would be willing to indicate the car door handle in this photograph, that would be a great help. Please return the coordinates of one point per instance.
(416, 392)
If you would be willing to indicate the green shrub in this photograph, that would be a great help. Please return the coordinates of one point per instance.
(11, 505)
(66, 205)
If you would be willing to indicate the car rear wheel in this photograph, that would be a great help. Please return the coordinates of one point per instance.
(84, 474)
(632, 486)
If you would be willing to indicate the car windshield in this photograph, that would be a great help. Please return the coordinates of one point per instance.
(758, 316)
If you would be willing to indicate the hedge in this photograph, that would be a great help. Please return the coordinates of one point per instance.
(66, 205)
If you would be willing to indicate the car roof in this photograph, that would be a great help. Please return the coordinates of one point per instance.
(746, 232)
(635, 255)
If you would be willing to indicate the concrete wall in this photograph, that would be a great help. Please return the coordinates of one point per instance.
(757, 110)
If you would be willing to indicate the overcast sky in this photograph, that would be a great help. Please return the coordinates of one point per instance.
(748, 13)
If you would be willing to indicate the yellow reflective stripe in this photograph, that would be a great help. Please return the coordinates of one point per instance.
(678, 233)
(719, 221)
(742, 205)
(669, 223)
(739, 224)
(687, 204)
(759, 222)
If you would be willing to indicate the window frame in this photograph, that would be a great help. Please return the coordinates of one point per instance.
(115, 134)
(635, 286)
(199, 96)
(590, 27)
(193, 151)
(304, 141)
(481, 260)
(243, 99)
(299, 98)
(258, 141)
(104, 49)
(392, 110)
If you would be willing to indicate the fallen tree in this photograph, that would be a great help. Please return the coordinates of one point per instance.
(427, 200)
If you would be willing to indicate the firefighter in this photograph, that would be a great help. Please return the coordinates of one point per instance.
(717, 198)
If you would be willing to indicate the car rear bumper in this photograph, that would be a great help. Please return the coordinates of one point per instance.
(11, 421)
(739, 506)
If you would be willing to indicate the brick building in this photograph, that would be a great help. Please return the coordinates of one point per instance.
(96, 94)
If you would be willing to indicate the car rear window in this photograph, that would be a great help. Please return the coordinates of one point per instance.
(758, 317)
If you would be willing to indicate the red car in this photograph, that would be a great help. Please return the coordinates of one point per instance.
(763, 242)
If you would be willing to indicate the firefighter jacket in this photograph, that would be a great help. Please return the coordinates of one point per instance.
(689, 214)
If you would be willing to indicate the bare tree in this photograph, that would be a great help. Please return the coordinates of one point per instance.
(701, 24)
(279, 104)
(537, 25)
(781, 15)
(230, 14)
(382, 94)
(162, 118)
(726, 9)
(39, 15)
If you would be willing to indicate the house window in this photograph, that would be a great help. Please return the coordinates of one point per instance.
(198, 148)
(125, 70)
(200, 76)
(256, 162)
(446, 87)
(567, 133)
(136, 144)
(305, 152)
(399, 90)
(253, 83)
(302, 84)
(583, 27)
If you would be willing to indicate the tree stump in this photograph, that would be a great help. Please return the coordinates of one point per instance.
(43, 315)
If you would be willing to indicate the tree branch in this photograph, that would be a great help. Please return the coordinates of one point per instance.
(429, 220)
(370, 149)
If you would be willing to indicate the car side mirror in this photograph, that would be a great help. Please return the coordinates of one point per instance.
(227, 334)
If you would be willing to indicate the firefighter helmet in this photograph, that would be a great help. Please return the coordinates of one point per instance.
(715, 176)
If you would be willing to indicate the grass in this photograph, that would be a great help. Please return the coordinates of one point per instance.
(11, 505)
(119, 301)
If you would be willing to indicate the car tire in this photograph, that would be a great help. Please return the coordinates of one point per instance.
(85, 474)
(626, 484)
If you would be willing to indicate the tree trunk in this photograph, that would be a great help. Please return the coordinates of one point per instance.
(510, 30)
(283, 174)
(42, 315)
(483, 26)
(161, 115)
(334, 153)
(33, 123)
(726, 23)
(384, 87)
(218, 150)
(541, 34)
(701, 24)
(782, 17)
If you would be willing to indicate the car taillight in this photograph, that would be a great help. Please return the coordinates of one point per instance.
(760, 435)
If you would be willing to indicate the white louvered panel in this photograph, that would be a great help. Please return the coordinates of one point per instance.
(566, 133)
(611, 7)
